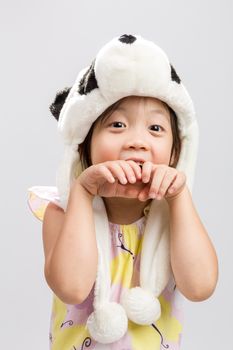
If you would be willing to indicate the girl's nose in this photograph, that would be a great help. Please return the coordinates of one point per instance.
(136, 138)
(137, 144)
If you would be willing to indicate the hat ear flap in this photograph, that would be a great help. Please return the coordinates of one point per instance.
(56, 106)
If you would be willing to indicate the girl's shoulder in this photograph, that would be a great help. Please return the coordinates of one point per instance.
(39, 197)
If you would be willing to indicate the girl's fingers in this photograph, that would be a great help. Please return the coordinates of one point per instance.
(104, 171)
(167, 181)
(117, 171)
(144, 194)
(136, 168)
(178, 182)
(131, 170)
(146, 171)
(159, 174)
(123, 171)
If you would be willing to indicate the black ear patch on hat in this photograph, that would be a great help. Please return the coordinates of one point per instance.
(127, 38)
(174, 75)
(56, 106)
(88, 81)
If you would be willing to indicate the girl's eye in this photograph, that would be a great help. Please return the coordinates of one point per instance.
(116, 123)
(157, 127)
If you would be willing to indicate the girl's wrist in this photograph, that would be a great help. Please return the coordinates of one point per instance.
(173, 199)
(77, 188)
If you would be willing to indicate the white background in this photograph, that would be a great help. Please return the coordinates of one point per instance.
(44, 45)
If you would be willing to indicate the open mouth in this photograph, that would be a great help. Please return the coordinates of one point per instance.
(139, 162)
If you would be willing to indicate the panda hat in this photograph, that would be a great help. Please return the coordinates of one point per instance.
(127, 65)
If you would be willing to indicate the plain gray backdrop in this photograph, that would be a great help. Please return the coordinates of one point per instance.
(44, 45)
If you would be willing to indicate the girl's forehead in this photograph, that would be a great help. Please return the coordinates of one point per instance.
(139, 101)
(148, 105)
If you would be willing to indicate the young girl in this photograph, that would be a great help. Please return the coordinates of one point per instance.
(122, 239)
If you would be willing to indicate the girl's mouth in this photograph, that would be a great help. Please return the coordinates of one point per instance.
(139, 162)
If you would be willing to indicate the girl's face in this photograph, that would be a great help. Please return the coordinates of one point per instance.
(139, 128)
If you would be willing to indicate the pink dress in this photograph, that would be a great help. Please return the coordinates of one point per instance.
(67, 322)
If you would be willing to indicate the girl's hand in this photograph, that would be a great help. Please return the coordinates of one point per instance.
(118, 178)
(164, 181)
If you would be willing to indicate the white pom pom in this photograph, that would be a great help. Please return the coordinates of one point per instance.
(108, 323)
(141, 306)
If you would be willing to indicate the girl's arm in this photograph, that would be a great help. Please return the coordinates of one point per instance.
(193, 258)
(71, 266)
(71, 270)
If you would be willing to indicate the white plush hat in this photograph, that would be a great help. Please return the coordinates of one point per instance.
(127, 65)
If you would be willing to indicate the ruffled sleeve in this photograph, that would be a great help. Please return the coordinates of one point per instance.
(39, 197)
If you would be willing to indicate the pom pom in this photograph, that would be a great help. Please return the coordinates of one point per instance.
(108, 323)
(141, 306)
